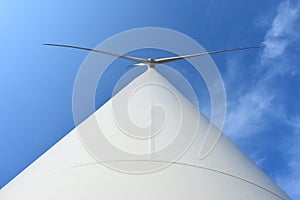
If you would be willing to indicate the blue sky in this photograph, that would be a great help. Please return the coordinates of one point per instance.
(36, 82)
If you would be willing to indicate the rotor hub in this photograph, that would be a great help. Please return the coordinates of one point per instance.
(151, 60)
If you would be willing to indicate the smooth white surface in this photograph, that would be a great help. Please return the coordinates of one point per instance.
(69, 172)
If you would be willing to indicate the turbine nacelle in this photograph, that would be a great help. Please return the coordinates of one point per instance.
(151, 63)
(151, 60)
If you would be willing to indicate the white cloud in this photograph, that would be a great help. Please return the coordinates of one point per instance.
(275, 57)
(290, 181)
(250, 101)
(295, 124)
(282, 32)
(245, 113)
(253, 103)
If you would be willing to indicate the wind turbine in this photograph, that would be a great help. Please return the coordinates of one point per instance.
(71, 169)
(151, 62)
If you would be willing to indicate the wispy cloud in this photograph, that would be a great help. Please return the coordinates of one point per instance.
(282, 32)
(246, 112)
(253, 94)
(259, 159)
(290, 181)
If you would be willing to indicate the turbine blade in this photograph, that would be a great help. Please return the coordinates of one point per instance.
(140, 60)
(137, 65)
(172, 59)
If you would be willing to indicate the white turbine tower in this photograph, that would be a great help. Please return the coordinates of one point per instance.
(68, 171)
